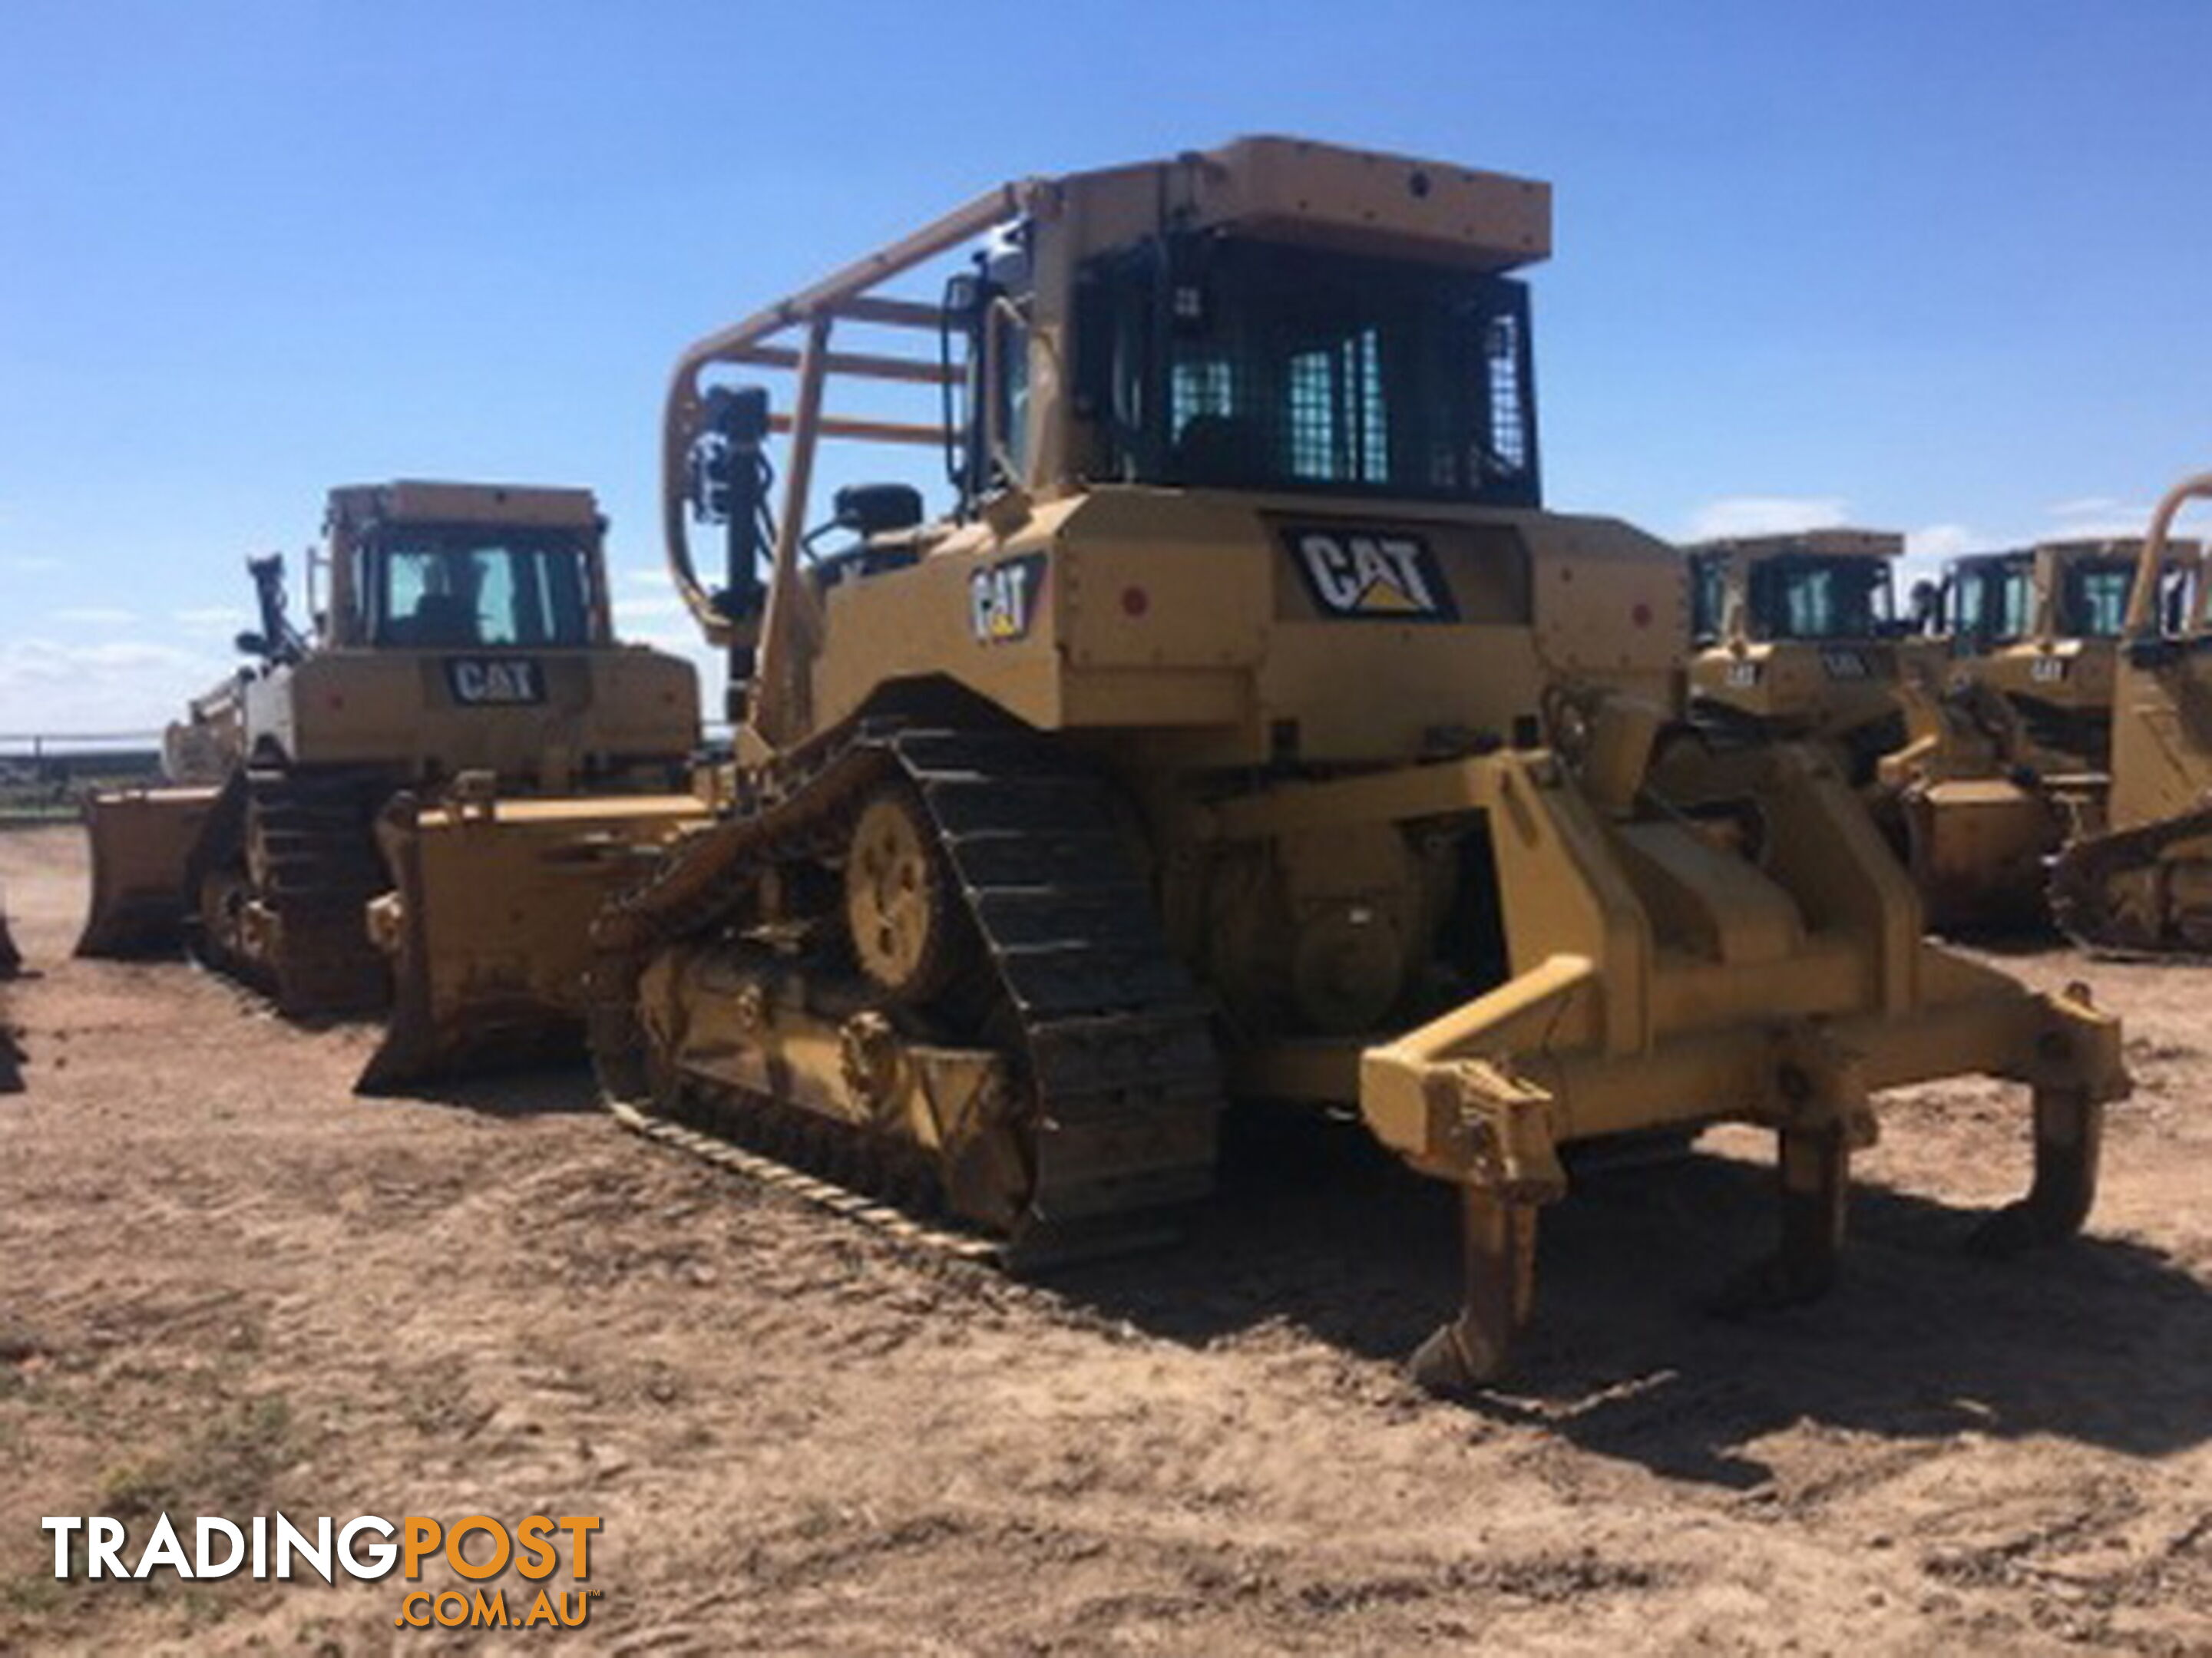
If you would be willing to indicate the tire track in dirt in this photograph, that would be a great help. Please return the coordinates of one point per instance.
(231, 1284)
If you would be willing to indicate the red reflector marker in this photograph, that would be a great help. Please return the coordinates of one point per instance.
(1135, 601)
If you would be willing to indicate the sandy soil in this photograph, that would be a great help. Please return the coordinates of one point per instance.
(229, 1287)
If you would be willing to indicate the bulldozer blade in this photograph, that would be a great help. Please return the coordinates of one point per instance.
(11, 1052)
(142, 842)
(1978, 848)
(489, 925)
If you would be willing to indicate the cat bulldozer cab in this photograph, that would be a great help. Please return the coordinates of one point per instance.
(2016, 762)
(1797, 636)
(2138, 879)
(2040, 630)
(461, 639)
(1244, 728)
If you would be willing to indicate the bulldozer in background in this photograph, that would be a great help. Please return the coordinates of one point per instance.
(1797, 636)
(2139, 880)
(464, 634)
(1249, 730)
(2015, 763)
(2040, 628)
(142, 837)
(11, 1047)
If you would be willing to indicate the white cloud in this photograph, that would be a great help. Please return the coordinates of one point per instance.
(1935, 543)
(629, 610)
(1928, 548)
(212, 621)
(647, 575)
(77, 688)
(677, 642)
(93, 616)
(43, 657)
(1764, 515)
(2088, 507)
(29, 563)
(2094, 517)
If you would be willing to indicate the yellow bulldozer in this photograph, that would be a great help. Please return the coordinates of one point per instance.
(1797, 636)
(2039, 630)
(2016, 762)
(462, 644)
(1247, 729)
(2139, 882)
(11, 1048)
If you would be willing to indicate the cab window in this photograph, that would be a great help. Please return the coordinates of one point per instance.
(2097, 598)
(1813, 597)
(1994, 604)
(459, 589)
(1707, 593)
(1221, 362)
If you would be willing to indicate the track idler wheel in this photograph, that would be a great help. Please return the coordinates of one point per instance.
(1498, 1240)
(900, 907)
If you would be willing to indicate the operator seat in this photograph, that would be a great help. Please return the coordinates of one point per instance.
(1216, 449)
(443, 619)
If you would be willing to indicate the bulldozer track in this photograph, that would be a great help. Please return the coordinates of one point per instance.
(1111, 1038)
(303, 841)
(2080, 880)
(839, 1199)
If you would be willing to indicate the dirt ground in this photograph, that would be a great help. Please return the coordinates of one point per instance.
(227, 1286)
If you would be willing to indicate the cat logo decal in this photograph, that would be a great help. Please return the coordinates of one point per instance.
(1372, 576)
(493, 681)
(1002, 598)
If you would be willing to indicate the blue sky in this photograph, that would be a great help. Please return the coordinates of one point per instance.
(1940, 268)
